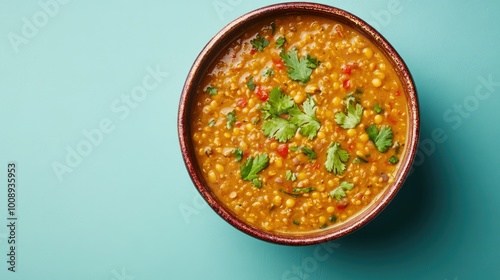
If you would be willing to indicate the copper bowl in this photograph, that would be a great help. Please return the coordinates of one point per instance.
(211, 51)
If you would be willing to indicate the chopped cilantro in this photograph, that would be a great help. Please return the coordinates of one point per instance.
(252, 166)
(393, 160)
(290, 194)
(257, 183)
(277, 104)
(382, 139)
(299, 69)
(255, 120)
(303, 190)
(309, 152)
(295, 222)
(289, 175)
(323, 226)
(284, 118)
(280, 42)
(259, 43)
(333, 219)
(238, 153)
(279, 128)
(251, 84)
(211, 123)
(269, 72)
(339, 192)
(307, 121)
(359, 159)
(336, 158)
(231, 119)
(377, 108)
(353, 117)
(211, 90)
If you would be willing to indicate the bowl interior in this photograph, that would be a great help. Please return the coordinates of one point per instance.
(211, 52)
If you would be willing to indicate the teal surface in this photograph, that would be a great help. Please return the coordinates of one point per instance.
(88, 103)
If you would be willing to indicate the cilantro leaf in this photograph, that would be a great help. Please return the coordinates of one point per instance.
(353, 117)
(289, 175)
(277, 104)
(211, 90)
(211, 123)
(279, 128)
(259, 43)
(339, 192)
(284, 117)
(299, 69)
(250, 84)
(269, 72)
(280, 42)
(336, 158)
(377, 108)
(303, 190)
(252, 166)
(382, 139)
(309, 152)
(359, 160)
(257, 183)
(307, 121)
(393, 160)
(239, 154)
(231, 119)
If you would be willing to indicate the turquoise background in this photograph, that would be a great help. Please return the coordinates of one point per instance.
(128, 210)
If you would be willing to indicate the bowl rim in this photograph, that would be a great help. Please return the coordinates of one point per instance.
(212, 50)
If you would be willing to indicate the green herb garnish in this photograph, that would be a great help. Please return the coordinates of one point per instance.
(393, 160)
(299, 69)
(353, 117)
(382, 139)
(284, 118)
(377, 108)
(280, 42)
(336, 158)
(239, 154)
(259, 43)
(289, 175)
(339, 192)
(252, 166)
(231, 119)
(250, 84)
(303, 190)
(295, 222)
(211, 90)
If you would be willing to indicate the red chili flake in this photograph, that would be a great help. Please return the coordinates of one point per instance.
(261, 94)
(398, 93)
(279, 63)
(346, 69)
(237, 124)
(253, 51)
(341, 207)
(316, 165)
(346, 84)
(282, 150)
(242, 102)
